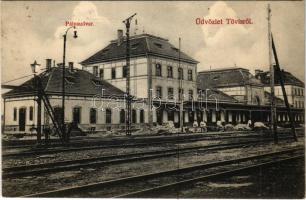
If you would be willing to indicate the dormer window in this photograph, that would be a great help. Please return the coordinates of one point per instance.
(158, 45)
(134, 46)
(97, 82)
(105, 50)
(70, 79)
(175, 49)
(215, 78)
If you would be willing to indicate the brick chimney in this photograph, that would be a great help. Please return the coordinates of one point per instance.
(70, 64)
(258, 71)
(119, 37)
(48, 64)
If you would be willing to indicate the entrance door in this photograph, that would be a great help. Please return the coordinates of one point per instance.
(22, 119)
(76, 115)
(159, 116)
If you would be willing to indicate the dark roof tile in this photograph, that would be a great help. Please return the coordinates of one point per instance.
(78, 83)
(141, 45)
(229, 77)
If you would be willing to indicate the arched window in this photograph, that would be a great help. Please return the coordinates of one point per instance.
(134, 116)
(93, 116)
(31, 113)
(122, 116)
(108, 116)
(141, 116)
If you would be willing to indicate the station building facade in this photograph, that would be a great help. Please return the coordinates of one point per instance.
(158, 73)
(90, 102)
(293, 86)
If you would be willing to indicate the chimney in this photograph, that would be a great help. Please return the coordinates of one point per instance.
(120, 36)
(258, 71)
(70, 64)
(48, 64)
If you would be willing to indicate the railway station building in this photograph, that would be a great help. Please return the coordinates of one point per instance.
(92, 103)
(159, 73)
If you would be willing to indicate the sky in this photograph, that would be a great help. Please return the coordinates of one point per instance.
(33, 31)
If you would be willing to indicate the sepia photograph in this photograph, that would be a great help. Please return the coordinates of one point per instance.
(153, 99)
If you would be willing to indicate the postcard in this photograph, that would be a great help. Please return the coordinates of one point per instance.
(153, 99)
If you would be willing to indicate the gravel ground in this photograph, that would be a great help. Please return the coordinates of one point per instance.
(48, 158)
(31, 184)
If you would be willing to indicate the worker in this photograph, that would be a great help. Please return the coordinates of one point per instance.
(195, 126)
(203, 126)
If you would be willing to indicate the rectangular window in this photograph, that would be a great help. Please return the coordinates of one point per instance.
(158, 70)
(124, 71)
(15, 114)
(158, 92)
(31, 113)
(113, 73)
(190, 75)
(93, 116)
(108, 116)
(190, 95)
(170, 93)
(170, 72)
(95, 70)
(180, 73)
(102, 73)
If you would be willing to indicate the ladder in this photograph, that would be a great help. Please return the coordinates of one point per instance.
(50, 110)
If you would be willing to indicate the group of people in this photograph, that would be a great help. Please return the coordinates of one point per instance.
(219, 124)
(202, 126)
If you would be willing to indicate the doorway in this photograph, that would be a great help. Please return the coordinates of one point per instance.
(22, 119)
(76, 115)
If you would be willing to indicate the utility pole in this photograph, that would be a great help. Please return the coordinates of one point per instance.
(273, 107)
(37, 86)
(63, 90)
(281, 80)
(127, 23)
(181, 88)
(65, 136)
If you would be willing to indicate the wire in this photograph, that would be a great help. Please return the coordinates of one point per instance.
(17, 78)
(42, 70)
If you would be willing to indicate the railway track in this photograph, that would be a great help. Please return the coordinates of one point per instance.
(149, 184)
(37, 152)
(37, 169)
(42, 168)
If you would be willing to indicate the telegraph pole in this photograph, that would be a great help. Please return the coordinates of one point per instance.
(273, 107)
(181, 89)
(127, 23)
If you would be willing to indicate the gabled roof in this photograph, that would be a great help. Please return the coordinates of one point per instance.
(78, 83)
(141, 45)
(289, 79)
(227, 77)
(213, 94)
